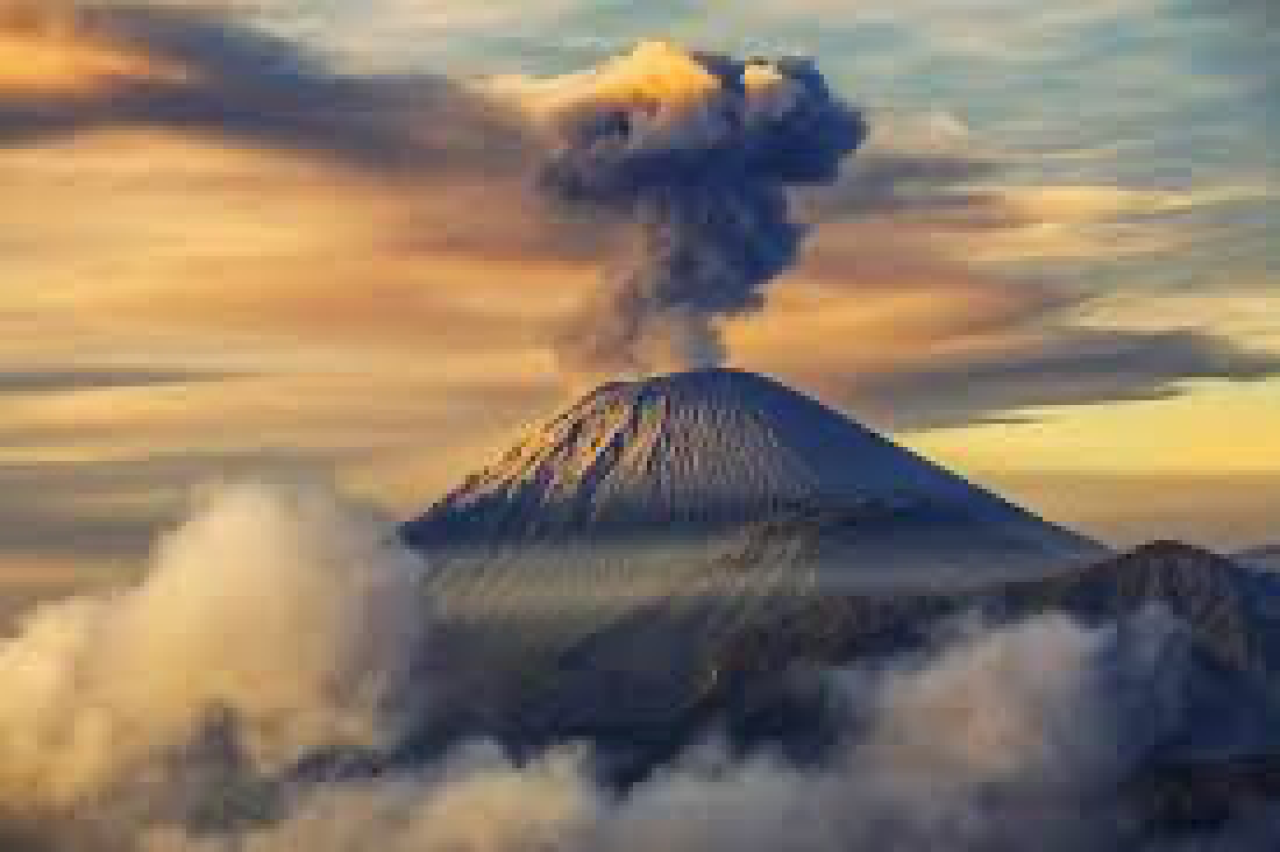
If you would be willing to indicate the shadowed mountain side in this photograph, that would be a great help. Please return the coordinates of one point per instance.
(1234, 613)
(1266, 558)
(652, 682)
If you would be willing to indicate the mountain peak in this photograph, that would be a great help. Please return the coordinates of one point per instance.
(1171, 550)
(1266, 557)
(690, 383)
(701, 451)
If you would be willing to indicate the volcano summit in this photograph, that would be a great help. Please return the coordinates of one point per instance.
(701, 455)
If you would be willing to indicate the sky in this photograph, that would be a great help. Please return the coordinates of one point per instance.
(284, 239)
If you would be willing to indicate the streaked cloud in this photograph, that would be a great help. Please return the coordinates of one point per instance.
(1060, 367)
(55, 379)
(226, 79)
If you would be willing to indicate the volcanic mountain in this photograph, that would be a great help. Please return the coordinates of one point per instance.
(1263, 558)
(684, 553)
(700, 454)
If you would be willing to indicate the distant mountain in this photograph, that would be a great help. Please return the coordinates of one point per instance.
(1232, 614)
(1233, 611)
(714, 451)
(1266, 557)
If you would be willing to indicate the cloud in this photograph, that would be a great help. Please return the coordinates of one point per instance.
(940, 296)
(91, 475)
(320, 412)
(274, 608)
(230, 80)
(111, 509)
(890, 322)
(64, 380)
(912, 161)
(1057, 367)
(45, 54)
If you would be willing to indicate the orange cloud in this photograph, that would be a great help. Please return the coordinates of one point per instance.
(47, 49)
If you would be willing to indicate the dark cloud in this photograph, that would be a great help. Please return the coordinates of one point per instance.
(63, 380)
(113, 508)
(1068, 366)
(41, 530)
(235, 81)
(108, 504)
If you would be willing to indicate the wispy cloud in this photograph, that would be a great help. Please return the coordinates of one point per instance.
(69, 67)
(55, 379)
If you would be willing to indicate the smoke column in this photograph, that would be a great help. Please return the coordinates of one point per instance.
(696, 153)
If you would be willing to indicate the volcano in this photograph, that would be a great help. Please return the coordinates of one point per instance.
(699, 455)
(690, 552)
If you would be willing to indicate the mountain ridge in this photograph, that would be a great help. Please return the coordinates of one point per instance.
(1265, 557)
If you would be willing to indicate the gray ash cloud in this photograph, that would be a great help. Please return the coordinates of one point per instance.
(697, 153)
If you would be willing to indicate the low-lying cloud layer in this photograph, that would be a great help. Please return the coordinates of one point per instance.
(279, 628)
(276, 612)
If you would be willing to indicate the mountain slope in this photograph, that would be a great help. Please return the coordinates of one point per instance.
(707, 451)
(1231, 609)
(1265, 558)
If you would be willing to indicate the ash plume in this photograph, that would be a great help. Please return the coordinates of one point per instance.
(696, 153)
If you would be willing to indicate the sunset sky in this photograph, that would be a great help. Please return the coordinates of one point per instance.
(282, 239)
